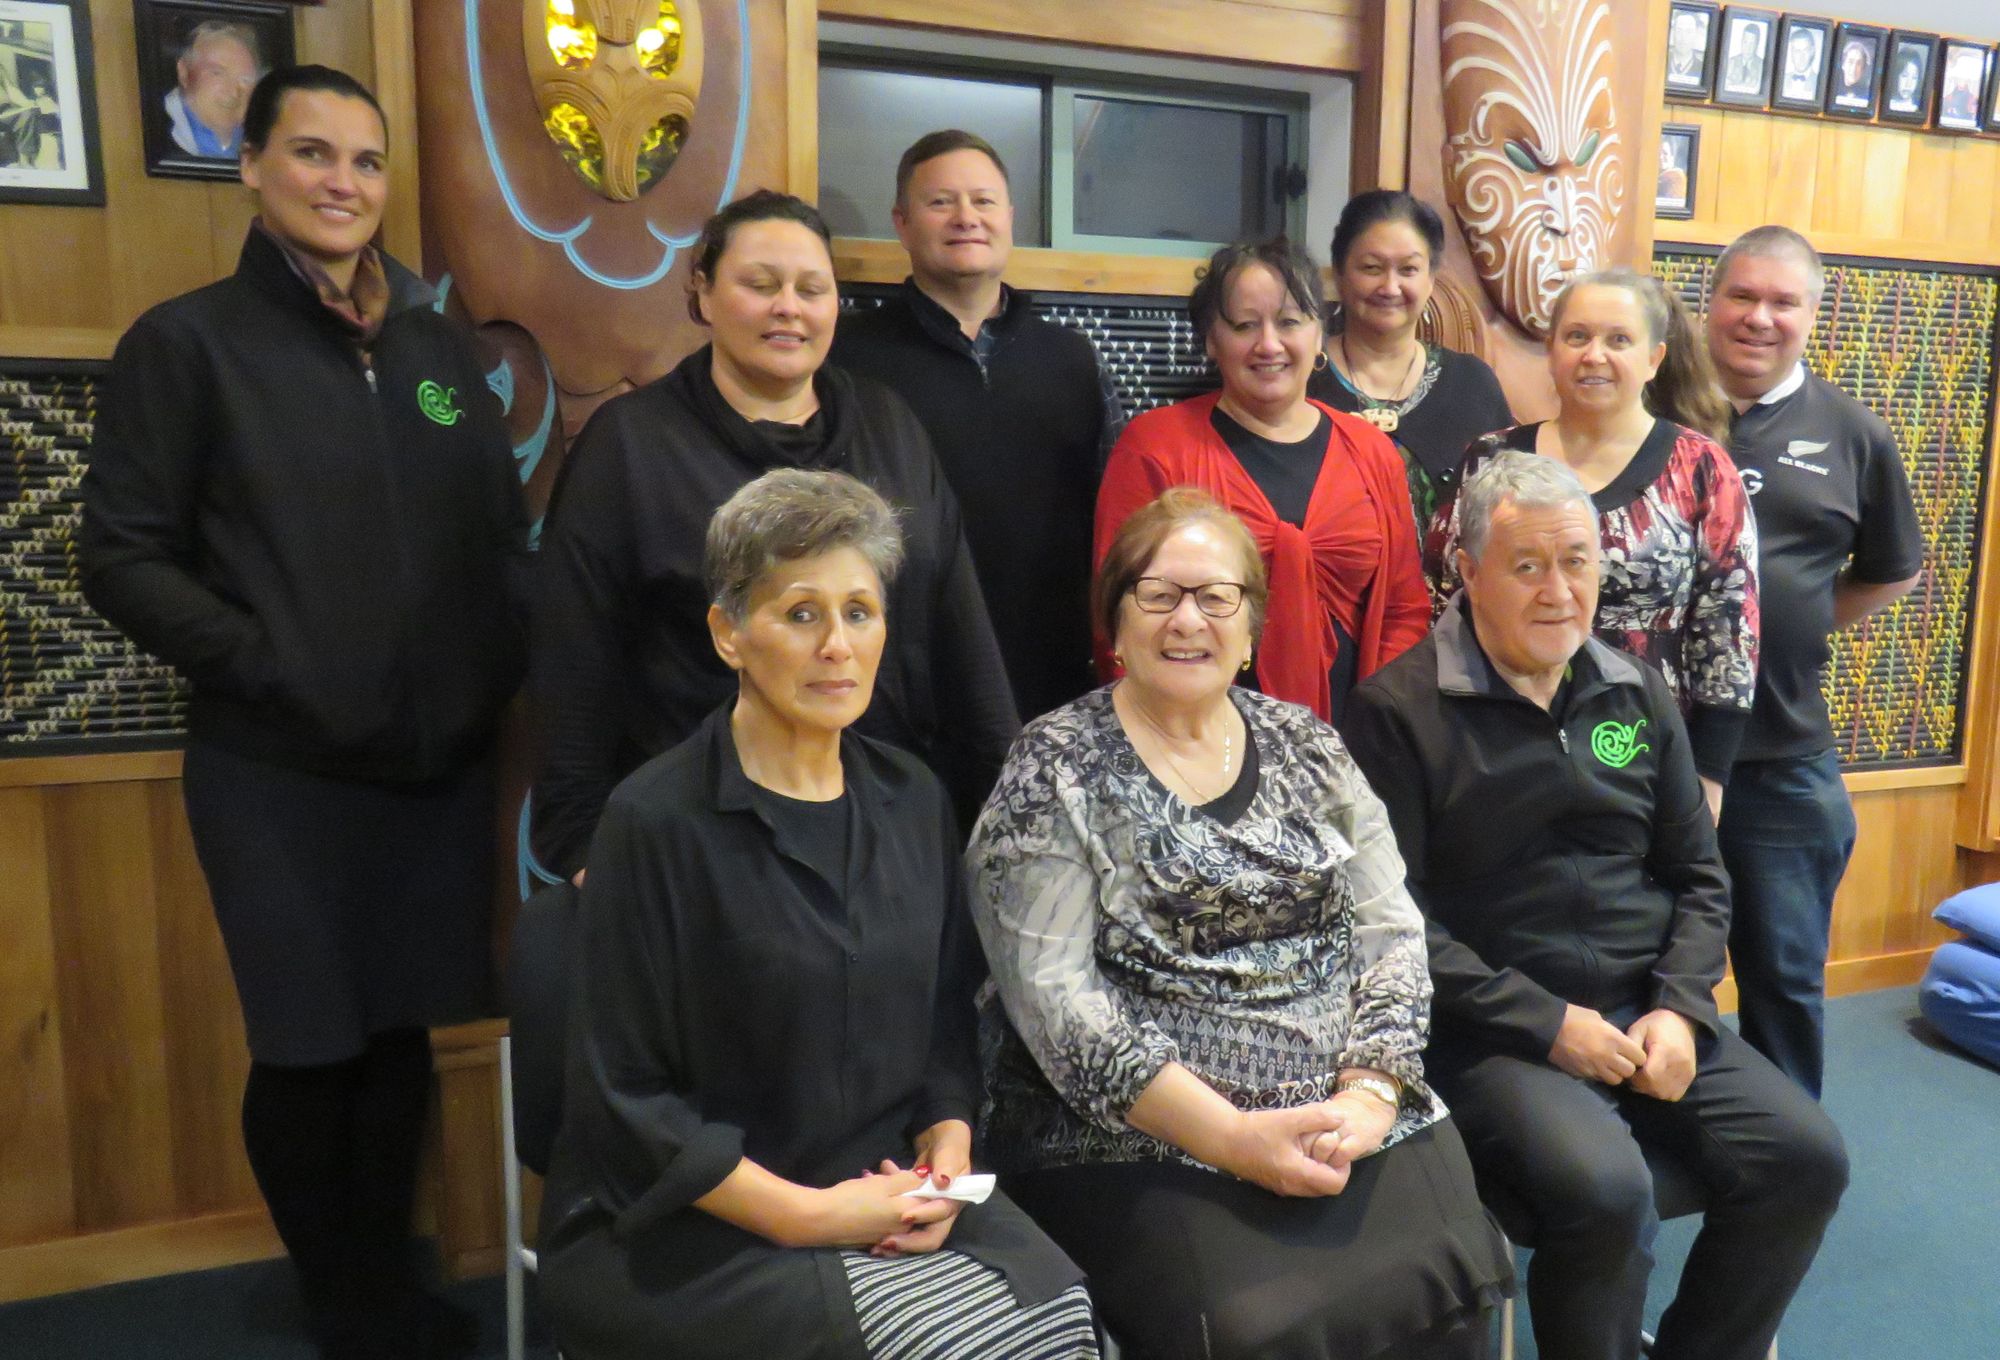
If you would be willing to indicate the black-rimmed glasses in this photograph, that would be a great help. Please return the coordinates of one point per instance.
(1217, 599)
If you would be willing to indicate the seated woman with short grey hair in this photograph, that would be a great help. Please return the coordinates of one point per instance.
(772, 1042)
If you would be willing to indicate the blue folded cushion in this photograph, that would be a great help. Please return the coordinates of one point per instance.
(1974, 912)
(1960, 996)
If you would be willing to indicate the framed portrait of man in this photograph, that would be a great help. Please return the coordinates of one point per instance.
(1680, 144)
(1691, 29)
(48, 105)
(1800, 81)
(1856, 76)
(198, 62)
(1910, 78)
(1963, 73)
(1748, 43)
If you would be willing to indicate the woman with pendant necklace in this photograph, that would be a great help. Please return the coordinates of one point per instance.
(1322, 493)
(1430, 401)
(1209, 1090)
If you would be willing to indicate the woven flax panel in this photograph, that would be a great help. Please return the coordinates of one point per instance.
(68, 680)
(1146, 344)
(1914, 345)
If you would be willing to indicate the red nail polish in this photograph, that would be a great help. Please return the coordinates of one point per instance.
(943, 1181)
(921, 1170)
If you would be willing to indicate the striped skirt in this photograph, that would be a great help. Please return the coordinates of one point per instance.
(946, 1306)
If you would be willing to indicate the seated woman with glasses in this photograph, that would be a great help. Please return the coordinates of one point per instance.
(1211, 1090)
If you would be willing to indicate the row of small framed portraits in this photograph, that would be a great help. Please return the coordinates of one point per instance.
(1746, 57)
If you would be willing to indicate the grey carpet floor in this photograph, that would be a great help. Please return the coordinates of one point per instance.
(1910, 1269)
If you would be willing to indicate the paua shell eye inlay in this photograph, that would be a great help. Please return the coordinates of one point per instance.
(617, 82)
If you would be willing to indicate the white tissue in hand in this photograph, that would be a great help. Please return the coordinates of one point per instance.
(973, 1187)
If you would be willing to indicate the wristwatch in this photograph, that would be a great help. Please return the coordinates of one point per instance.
(1384, 1091)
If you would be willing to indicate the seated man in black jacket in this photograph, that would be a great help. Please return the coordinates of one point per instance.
(1555, 836)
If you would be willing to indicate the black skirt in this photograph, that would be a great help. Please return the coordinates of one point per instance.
(1189, 1264)
(347, 908)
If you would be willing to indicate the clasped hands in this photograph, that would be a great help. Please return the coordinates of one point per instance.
(872, 1210)
(1308, 1150)
(1655, 1057)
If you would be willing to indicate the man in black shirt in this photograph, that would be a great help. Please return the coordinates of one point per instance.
(1018, 409)
(1838, 541)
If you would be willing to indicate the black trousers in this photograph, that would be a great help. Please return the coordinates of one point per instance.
(1774, 1165)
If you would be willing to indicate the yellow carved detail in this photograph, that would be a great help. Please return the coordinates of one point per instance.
(617, 82)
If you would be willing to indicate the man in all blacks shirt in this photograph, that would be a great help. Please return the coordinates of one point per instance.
(1839, 540)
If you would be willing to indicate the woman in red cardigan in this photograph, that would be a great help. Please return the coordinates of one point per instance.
(1322, 492)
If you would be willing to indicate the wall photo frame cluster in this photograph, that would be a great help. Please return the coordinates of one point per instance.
(1747, 56)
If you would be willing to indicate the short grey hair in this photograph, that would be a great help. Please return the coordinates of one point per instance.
(789, 514)
(1528, 480)
(1775, 243)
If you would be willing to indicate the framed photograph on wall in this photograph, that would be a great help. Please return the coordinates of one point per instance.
(1743, 75)
(1680, 144)
(48, 104)
(1993, 96)
(1800, 80)
(1691, 30)
(1963, 72)
(1910, 78)
(198, 61)
(1857, 70)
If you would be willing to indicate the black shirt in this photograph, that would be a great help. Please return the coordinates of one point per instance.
(1021, 420)
(820, 835)
(1243, 791)
(622, 664)
(1828, 487)
(1284, 471)
(1452, 406)
(718, 1014)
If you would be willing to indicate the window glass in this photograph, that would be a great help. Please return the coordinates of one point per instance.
(1174, 172)
(868, 116)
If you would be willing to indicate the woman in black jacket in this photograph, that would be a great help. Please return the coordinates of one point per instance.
(301, 494)
(771, 1045)
(622, 665)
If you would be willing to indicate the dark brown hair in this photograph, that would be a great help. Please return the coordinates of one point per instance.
(1365, 210)
(267, 100)
(942, 143)
(765, 205)
(1294, 268)
(1138, 541)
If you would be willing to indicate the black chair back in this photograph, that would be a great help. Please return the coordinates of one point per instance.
(537, 995)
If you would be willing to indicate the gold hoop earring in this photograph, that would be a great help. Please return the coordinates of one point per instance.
(1320, 363)
(1246, 664)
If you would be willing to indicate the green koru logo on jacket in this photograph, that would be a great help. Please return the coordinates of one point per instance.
(1616, 744)
(436, 402)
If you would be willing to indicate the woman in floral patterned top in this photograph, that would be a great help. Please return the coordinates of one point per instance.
(1195, 915)
(1640, 420)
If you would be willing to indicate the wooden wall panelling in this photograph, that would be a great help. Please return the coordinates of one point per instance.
(393, 50)
(36, 1193)
(206, 1056)
(1854, 189)
(1382, 98)
(802, 99)
(1320, 35)
(102, 893)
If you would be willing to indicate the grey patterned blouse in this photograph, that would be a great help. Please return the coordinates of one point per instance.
(1127, 930)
